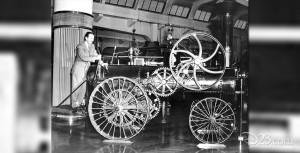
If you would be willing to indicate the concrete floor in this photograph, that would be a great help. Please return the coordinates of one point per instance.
(173, 137)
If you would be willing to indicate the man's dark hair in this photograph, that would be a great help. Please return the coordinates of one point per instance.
(87, 35)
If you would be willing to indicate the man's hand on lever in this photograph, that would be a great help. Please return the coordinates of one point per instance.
(101, 62)
(98, 57)
(104, 64)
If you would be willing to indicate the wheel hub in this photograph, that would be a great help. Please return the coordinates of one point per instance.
(163, 81)
(212, 119)
(185, 71)
(197, 61)
(118, 108)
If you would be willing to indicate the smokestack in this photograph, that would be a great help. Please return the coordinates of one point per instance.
(226, 9)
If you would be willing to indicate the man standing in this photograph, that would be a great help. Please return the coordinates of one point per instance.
(85, 53)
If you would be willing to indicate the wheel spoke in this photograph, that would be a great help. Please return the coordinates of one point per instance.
(209, 71)
(207, 108)
(221, 124)
(124, 81)
(159, 86)
(204, 109)
(127, 99)
(111, 117)
(211, 108)
(102, 101)
(224, 117)
(163, 89)
(214, 111)
(109, 97)
(185, 65)
(97, 113)
(114, 131)
(158, 75)
(111, 125)
(212, 55)
(195, 78)
(203, 114)
(109, 85)
(200, 46)
(99, 118)
(216, 131)
(186, 52)
(170, 76)
(218, 107)
(204, 119)
(169, 88)
(132, 89)
(202, 124)
(208, 133)
(221, 110)
(226, 110)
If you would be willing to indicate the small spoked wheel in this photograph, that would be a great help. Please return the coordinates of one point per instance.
(163, 82)
(212, 120)
(196, 58)
(118, 108)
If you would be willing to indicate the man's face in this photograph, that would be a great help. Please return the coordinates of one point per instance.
(90, 39)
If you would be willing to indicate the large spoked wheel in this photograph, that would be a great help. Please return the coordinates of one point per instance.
(118, 108)
(212, 120)
(194, 67)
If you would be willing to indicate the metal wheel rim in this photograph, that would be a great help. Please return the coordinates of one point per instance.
(118, 116)
(212, 120)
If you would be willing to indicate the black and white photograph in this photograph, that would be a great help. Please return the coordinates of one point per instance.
(150, 76)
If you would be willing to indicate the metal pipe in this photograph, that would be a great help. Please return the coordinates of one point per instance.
(226, 9)
(228, 37)
(163, 112)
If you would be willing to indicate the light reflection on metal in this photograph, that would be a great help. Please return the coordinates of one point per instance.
(70, 120)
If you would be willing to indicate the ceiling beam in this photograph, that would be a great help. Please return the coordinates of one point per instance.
(120, 36)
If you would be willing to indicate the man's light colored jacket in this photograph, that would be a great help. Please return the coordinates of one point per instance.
(84, 55)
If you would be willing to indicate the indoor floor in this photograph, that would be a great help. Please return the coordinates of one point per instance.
(172, 137)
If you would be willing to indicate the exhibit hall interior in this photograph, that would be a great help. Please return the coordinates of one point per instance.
(155, 76)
